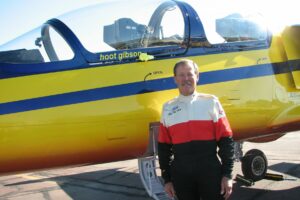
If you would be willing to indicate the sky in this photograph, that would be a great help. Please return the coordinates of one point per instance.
(20, 16)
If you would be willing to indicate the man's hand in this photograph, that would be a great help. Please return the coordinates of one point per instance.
(169, 188)
(226, 187)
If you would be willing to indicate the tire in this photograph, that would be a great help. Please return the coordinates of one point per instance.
(254, 165)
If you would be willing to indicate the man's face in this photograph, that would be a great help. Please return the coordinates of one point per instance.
(186, 79)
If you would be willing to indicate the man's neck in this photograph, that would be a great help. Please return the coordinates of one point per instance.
(187, 95)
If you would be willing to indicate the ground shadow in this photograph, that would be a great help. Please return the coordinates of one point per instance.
(109, 184)
(115, 184)
(241, 192)
(292, 169)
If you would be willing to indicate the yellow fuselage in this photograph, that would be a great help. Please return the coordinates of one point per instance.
(115, 126)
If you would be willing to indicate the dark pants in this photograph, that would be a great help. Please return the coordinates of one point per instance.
(197, 179)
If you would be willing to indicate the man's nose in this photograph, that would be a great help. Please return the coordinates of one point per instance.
(185, 77)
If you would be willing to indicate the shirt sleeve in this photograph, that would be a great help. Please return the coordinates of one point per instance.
(164, 150)
(224, 139)
(222, 126)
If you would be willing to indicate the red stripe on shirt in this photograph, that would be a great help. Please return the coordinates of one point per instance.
(195, 130)
(192, 130)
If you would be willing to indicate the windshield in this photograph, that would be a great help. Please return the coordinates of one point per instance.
(35, 47)
(229, 21)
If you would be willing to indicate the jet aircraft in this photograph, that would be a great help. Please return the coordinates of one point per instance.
(86, 87)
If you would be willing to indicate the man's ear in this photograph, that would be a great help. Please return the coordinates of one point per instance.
(174, 78)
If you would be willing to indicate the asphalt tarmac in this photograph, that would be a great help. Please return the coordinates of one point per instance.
(120, 180)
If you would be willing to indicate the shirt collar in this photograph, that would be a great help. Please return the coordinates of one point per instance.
(187, 98)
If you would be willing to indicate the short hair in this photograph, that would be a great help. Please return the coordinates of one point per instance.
(186, 62)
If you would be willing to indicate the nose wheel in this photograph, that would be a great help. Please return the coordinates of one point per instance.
(254, 165)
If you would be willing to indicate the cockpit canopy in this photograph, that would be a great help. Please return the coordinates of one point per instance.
(119, 25)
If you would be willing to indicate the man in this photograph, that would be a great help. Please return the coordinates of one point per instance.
(192, 126)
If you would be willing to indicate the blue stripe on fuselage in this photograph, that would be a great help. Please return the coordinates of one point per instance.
(138, 88)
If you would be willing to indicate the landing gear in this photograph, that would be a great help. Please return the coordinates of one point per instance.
(254, 162)
(254, 165)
